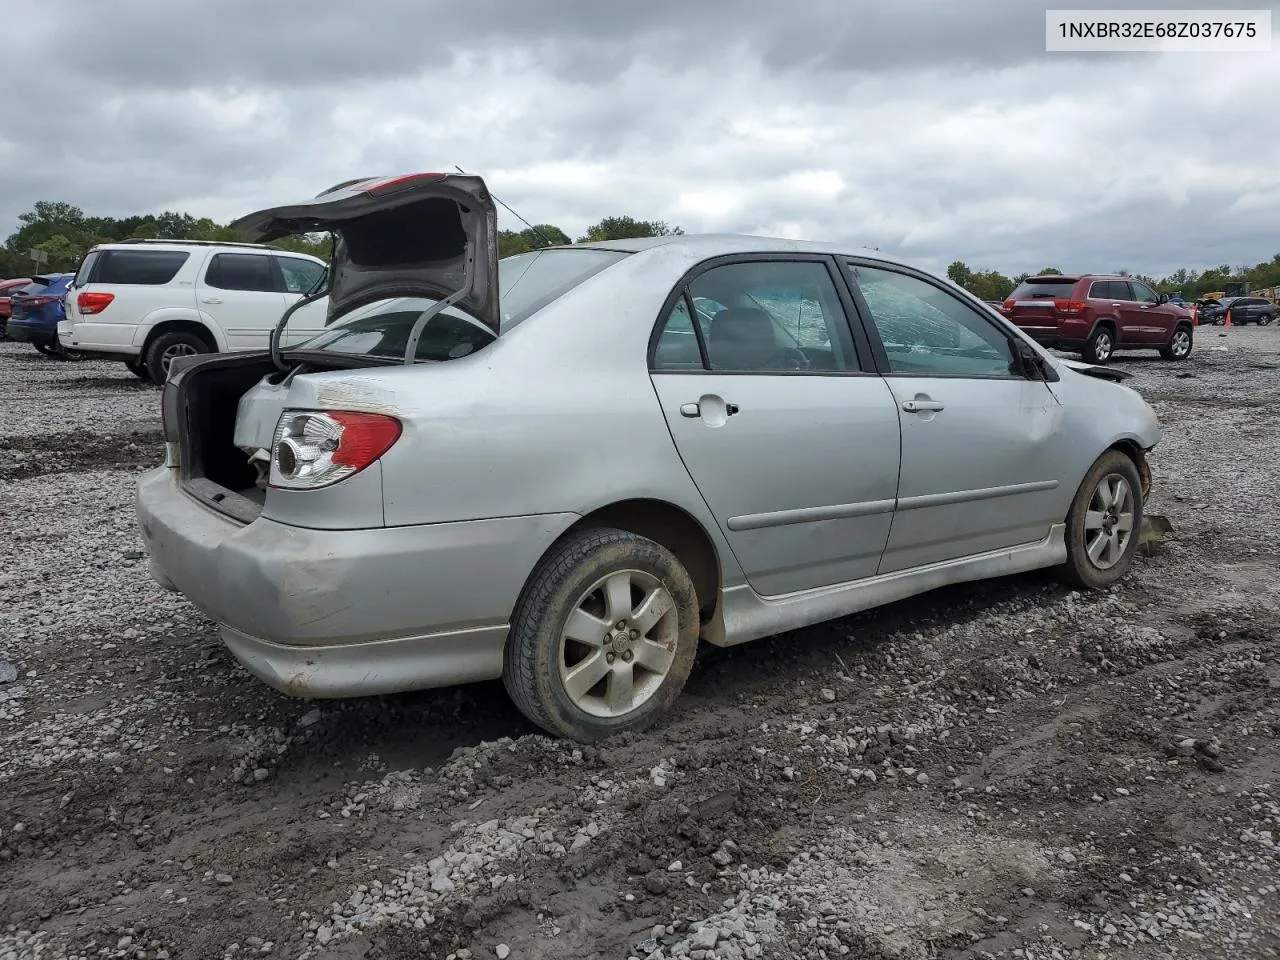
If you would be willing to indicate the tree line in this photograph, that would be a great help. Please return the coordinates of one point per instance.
(65, 233)
(1191, 284)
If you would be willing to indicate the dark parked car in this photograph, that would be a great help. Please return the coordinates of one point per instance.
(1243, 310)
(35, 311)
(8, 287)
(1097, 315)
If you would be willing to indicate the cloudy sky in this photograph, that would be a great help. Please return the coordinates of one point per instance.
(937, 129)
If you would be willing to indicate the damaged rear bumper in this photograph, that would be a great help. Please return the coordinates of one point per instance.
(334, 613)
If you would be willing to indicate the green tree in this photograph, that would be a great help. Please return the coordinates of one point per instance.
(960, 273)
(1049, 272)
(626, 228)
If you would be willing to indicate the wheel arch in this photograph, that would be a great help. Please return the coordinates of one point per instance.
(1133, 449)
(672, 527)
(184, 325)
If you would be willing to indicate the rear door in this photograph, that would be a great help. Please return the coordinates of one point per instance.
(789, 434)
(982, 464)
(241, 293)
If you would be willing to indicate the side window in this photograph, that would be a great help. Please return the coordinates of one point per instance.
(300, 276)
(678, 344)
(1110, 290)
(241, 271)
(775, 317)
(927, 331)
(1142, 293)
(144, 267)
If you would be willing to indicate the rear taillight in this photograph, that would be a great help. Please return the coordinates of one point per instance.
(313, 449)
(90, 303)
(1007, 305)
(1069, 306)
(37, 301)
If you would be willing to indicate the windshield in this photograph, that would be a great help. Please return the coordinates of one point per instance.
(526, 282)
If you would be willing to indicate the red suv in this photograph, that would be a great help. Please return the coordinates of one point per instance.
(1098, 315)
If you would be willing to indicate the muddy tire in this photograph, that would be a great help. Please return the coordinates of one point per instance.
(169, 346)
(1179, 345)
(1100, 346)
(1104, 523)
(138, 369)
(603, 637)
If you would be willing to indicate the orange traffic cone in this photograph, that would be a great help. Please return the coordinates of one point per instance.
(1195, 315)
(1227, 322)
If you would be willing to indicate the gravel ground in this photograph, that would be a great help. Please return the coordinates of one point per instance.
(1001, 770)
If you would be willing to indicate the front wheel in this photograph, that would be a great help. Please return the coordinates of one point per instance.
(1104, 523)
(1179, 345)
(603, 637)
(1100, 345)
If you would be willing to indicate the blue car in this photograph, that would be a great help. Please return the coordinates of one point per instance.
(35, 311)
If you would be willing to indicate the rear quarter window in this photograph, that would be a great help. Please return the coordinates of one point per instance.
(140, 267)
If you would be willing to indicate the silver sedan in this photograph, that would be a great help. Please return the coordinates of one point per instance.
(569, 467)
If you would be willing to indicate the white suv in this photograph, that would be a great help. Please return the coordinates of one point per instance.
(148, 301)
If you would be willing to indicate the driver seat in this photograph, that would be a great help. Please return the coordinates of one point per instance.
(742, 338)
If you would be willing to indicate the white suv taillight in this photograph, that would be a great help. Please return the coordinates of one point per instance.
(313, 449)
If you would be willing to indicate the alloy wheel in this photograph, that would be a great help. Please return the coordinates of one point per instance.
(1108, 523)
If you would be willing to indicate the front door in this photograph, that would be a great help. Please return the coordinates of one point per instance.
(1146, 319)
(981, 458)
(240, 292)
(791, 440)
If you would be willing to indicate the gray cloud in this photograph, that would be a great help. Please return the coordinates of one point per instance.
(931, 128)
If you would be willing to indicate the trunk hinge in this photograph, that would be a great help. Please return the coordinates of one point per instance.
(311, 297)
(415, 334)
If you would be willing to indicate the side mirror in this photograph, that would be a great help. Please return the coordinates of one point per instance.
(1164, 298)
(1029, 361)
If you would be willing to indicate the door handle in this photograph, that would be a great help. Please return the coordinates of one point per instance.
(692, 410)
(923, 406)
(212, 300)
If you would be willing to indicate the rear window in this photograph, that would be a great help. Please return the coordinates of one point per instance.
(382, 330)
(528, 282)
(142, 267)
(34, 287)
(1054, 289)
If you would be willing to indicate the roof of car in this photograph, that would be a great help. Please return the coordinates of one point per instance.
(713, 244)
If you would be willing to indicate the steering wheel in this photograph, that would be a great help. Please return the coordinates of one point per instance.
(788, 358)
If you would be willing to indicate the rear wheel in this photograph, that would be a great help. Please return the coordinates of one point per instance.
(1179, 345)
(138, 369)
(1104, 523)
(168, 347)
(1100, 345)
(1265, 319)
(604, 636)
(48, 349)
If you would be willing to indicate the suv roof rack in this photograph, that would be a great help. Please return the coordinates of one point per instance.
(196, 243)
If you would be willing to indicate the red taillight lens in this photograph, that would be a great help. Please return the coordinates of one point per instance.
(1007, 305)
(315, 449)
(36, 301)
(90, 303)
(1069, 306)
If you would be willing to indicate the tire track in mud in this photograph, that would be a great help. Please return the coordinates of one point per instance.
(78, 451)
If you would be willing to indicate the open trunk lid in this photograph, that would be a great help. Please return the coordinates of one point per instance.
(428, 235)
